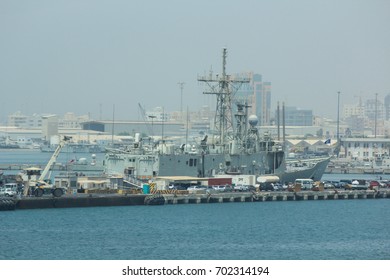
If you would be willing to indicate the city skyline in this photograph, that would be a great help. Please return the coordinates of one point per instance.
(363, 108)
(86, 57)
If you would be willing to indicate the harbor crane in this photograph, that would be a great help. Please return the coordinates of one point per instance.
(36, 180)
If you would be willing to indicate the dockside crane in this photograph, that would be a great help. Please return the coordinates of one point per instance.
(38, 185)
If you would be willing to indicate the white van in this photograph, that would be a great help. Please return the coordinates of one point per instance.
(306, 184)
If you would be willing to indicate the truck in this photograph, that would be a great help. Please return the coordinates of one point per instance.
(243, 183)
(305, 184)
(245, 180)
(358, 184)
(239, 182)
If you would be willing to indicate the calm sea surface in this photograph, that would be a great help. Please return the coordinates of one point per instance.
(323, 230)
(36, 157)
(25, 156)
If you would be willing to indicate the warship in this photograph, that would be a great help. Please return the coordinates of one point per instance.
(236, 147)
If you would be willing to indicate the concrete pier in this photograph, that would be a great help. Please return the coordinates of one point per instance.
(279, 196)
(93, 200)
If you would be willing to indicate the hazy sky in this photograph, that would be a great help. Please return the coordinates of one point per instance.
(85, 56)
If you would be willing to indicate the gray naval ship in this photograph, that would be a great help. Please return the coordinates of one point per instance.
(236, 147)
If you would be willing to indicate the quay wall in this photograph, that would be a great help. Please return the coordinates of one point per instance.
(79, 201)
(94, 200)
(355, 170)
(274, 196)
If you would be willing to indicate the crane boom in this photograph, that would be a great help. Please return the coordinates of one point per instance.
(144, 117)
(53, 158)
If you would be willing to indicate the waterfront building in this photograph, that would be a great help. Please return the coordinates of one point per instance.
(365, 149)
(147, 127)
(18, 119)
(368, 117)
(71, 120)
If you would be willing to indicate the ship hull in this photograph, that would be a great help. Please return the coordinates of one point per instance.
(210, 165)
(315, 172)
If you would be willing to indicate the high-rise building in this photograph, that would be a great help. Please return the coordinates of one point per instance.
(352, 110)
(257, 94)
(374, 109)
(298, 117)
(265, 106)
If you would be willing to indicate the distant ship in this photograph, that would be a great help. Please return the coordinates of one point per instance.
(7, 143)
(75, 148)
(236, 148)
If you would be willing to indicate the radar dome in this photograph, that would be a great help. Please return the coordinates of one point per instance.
(253, 120)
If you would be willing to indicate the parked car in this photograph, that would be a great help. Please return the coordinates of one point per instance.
(177, 187)
(278, 187)
(196, 188)
(340, 185)
(241, 188)
(223, 188)
(384, 183)
(374, 185)
(328, 185)
(267, 187)
(306, 184)
(336, 184)
(219, 188)
(357, 185)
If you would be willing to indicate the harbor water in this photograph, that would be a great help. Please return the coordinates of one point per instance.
(32, 157)
(305, 230)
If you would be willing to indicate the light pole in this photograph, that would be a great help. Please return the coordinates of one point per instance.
(181, 84)
(152, 117)
(338, 117)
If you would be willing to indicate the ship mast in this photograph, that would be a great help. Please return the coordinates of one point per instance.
(224, 87)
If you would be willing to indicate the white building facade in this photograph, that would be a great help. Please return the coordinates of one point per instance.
(365, 149)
